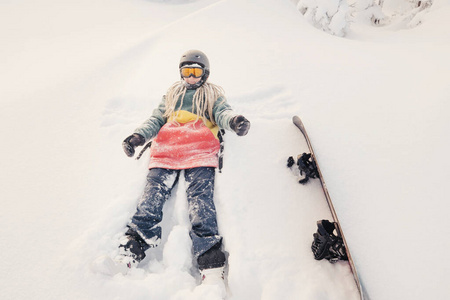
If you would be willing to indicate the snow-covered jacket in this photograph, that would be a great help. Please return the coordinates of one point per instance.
(184, 140)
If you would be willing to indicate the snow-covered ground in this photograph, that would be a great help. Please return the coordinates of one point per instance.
(78, 76)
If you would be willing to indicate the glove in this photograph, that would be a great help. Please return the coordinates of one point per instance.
(240, 125)
(132, 142)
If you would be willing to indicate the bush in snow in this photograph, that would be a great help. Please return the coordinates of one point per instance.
(329, 15)
(369, 11)
(414, 17)
(407, 13)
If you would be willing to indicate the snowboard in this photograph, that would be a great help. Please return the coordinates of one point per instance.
(298, 122)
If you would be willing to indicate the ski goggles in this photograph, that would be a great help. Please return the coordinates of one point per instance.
(188, 71)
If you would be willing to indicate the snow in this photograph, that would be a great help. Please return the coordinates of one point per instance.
(78, 76)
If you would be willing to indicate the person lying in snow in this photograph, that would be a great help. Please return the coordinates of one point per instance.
(184, 131)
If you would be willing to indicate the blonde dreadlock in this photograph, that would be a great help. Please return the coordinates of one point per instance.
(203, 102)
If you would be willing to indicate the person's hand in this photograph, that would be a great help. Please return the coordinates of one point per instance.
(131, 142)
(240, 125)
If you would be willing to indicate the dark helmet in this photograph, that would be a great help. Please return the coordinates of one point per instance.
(192, 57)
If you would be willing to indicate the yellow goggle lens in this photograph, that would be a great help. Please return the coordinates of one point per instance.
(187, 72)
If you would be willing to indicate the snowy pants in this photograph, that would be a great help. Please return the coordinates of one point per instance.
(202, 212)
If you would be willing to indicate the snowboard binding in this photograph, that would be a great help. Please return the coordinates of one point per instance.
(306, 165)
(327, 244)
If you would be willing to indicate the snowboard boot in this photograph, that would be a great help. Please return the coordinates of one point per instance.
(131, 251)
(213, 258)
(327, 244)
(213, 276)
(129, 256)
(212, 270)
(213, 283)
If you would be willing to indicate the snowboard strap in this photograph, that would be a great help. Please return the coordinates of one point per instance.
(220, 135)
(148, 145)
(306, 165)
(327, 244)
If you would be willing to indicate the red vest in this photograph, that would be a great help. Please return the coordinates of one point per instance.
(185, 143)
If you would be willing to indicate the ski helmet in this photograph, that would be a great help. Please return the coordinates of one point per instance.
(193, 57)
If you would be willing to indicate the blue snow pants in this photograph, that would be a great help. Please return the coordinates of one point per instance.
(202, 212)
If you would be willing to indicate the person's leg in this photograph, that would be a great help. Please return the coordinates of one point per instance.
(144, 231)
(202, 214)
